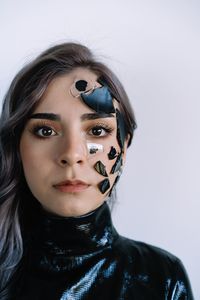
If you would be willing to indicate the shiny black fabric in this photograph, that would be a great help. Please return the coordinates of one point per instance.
(84, 258)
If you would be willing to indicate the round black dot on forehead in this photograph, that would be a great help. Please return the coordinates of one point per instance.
(81, 85)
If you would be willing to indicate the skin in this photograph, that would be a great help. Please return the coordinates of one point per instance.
(62, 154)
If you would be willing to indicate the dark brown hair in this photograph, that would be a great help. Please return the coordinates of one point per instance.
(20, 101)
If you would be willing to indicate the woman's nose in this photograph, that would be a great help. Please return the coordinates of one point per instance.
(72, 150)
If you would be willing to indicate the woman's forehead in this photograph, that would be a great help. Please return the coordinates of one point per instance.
(67, 80)
(60, 89)
(75, 94)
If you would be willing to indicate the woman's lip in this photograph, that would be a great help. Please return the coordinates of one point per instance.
(71, 186)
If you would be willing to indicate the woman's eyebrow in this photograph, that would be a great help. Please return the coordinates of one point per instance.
(84, 117)
(47, 116)
(94, 116)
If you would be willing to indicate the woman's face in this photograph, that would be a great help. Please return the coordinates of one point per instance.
(68, 149)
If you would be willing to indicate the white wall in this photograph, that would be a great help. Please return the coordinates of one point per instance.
(154, 47)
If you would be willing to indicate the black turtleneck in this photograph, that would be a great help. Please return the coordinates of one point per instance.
(84, 258)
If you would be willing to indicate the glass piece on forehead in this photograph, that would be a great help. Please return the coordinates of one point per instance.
(117, 165)
(112, 154)
(81, 85)
(103, 83)
(121, 133)
(93, 148)
(99, 100)
(104, 185)
(101, 168)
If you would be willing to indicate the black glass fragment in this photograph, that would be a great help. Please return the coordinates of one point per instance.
(99, 100)
(81, 85)
(104, 83)
(115, 182)
(121, 132)
(101, 168)
(117, 165)
(93, 150)
(104, 185)
(113, 153)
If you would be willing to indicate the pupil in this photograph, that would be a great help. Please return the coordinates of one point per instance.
(46, 131)
(96, 131)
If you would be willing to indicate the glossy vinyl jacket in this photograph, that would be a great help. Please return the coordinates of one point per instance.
(84, 258)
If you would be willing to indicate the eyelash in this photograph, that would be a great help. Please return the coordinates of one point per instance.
(108, 129)
(42, 124)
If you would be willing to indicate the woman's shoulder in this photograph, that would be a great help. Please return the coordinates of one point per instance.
(153, 267)
(140, 248)
(149, 257)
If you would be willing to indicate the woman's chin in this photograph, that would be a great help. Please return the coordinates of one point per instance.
(74, 207)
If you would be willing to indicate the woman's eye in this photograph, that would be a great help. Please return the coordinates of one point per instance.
(99, 131)
(44, 131)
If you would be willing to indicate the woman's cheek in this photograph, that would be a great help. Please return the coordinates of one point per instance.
(103, 163)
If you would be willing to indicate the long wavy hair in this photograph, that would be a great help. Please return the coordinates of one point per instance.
(20, 101)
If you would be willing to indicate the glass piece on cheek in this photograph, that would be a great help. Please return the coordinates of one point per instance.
(93, 148)
(104, 185)
(115, 182)
(117, 165)
(121, 133)
(101, 168)
(99, 100)
(113, 153)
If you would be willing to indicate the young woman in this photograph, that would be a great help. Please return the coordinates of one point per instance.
(65, 127)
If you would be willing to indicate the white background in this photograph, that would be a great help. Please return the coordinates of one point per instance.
(154, 48)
